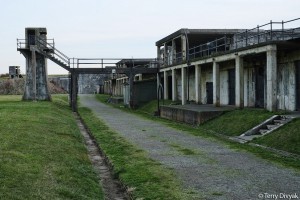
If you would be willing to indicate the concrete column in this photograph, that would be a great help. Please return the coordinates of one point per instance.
(239, 82)
(183, 86)
(174, 51)
(74, 80)
(165, 54)
(216, 84)
(33, 60)
(198, 84)
(183, 46)
(272, 79)
(174, 85)
(166, 85)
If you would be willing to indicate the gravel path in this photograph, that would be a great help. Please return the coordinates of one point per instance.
(214, 170)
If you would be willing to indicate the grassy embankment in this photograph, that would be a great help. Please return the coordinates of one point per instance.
(42, 153)
(234, 123)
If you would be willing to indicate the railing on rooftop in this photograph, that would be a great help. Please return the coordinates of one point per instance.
(272, 31)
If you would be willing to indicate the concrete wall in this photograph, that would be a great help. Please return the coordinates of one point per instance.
(144, 91)
(90, 83)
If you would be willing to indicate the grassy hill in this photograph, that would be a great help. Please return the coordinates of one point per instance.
(42, 153)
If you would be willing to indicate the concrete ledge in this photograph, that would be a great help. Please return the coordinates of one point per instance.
(187, 116)
(116, 100)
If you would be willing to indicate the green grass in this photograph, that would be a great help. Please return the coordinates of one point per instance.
(134, 168)
(286, 138)
(208, 129)
(236, 122)
(42, 154)
(185, 151)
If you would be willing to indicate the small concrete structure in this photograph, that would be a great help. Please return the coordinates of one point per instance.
(36, 86)
(192, 113)
(14, 72)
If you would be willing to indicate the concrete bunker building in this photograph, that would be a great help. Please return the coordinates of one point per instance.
(139, 88)
(244, 68)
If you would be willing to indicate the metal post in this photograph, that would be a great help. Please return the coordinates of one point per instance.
(246, 37)
(271, 37)
(257, 34)
(282, 30)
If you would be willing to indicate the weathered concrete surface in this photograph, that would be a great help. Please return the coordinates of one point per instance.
(191, 113)
(214, 171)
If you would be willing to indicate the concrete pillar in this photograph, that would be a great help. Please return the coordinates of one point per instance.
(198, 84)
(183, 86)
(272, 79)
(174, 85)
(239, 82)
(74, 82)
(165, 54)
(166, 85)
(183, 46)
(174, 51)
(216, 84)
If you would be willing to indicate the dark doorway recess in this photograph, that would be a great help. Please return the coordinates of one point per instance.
(231, 86)
(31, 37)
(260, 87)
(209, 92)
(170, 87)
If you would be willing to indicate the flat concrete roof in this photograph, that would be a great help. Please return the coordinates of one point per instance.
(203, 33)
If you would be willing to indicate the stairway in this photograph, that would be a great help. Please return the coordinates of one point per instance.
(264, 128)
(50, 55)
(49, 51)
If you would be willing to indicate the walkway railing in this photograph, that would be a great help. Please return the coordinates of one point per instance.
(272, 31)
(45, 46)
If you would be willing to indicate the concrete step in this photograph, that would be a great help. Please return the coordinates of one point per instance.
(279, 121)
(272, 126)
(263, 131)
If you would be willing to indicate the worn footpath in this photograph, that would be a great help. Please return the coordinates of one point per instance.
(213, 170)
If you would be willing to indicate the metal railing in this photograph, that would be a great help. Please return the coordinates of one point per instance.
(45, 46)
(272, 31)
(209, 48)
(48, 47)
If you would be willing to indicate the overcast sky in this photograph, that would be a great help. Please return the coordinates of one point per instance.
(125, 28)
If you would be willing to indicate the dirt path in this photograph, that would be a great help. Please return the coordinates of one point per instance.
(203, 165)
(111, 187)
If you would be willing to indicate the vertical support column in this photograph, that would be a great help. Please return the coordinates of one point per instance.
(33, 60)
(272, 78)
(216, 84)
(174, 51)
(131, 97)
(165, 54)
(198, 83)
(174, 85)
(239, 82)
(74, 91)
(166, 85)
(183, 86)
(183, 47)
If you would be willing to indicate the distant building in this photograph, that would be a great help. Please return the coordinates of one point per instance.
(14, 72)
